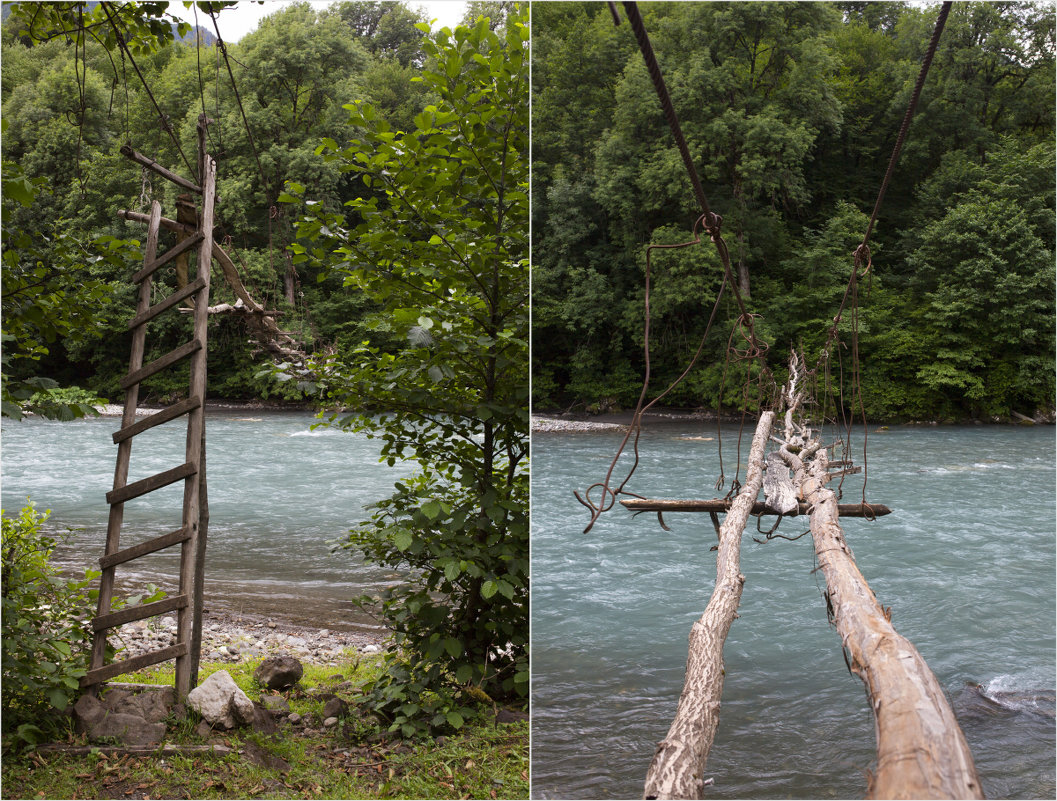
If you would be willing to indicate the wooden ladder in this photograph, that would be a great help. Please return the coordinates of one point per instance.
(191, 536)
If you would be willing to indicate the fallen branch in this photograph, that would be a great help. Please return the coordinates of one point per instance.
(265, 330)
(679, 762)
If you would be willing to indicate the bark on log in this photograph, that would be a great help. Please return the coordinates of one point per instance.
(778, 486)
(921, 751)
(677, 770)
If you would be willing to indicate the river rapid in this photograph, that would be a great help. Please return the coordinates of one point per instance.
(966, 562)
(280, 494)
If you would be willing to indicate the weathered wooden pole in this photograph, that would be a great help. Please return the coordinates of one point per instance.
(678, 766)
(921, 751)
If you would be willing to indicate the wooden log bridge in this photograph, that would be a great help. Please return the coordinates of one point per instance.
(758, 508)
(921, 750)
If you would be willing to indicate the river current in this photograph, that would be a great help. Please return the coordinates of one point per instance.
(966, 562)
(280, 494)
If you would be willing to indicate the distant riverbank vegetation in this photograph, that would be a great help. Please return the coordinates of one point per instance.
(790, 111)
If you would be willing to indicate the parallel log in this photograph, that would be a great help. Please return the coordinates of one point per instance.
(921, 751)
(778, 486)
(677, 770)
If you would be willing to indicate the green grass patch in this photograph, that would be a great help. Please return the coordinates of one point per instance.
(353, 760)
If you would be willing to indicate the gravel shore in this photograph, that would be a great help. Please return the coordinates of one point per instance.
(557, 424)
(237, 639)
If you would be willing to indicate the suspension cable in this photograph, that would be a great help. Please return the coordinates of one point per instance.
(166, 125)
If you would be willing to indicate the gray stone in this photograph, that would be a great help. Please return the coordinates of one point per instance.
(263, 720)
(294, 719)
(335, 708)
(510, 716)
(330, 723)
(278, 672)
(152, 705)
(87, 712)
(220, 702)
(129, 729)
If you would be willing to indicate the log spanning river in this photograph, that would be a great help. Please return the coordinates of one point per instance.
(966, 562)
(279, 494)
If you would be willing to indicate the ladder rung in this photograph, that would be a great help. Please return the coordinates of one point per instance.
(101, 674)
(151, 483)
(164, 416)
(144, 548)
(168, 256)
(157, 365)
(127, 615)
(168, 303)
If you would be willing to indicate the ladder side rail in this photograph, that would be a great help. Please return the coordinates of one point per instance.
(196, 429)
(124, 451)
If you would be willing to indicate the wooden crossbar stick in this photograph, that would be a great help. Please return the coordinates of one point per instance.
(758, 508)
(151, 164)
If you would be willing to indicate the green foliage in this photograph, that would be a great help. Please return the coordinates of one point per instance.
(46, 626)
(67, 109)
(144, 26)
(46, 631)
(438, 242)
(49, 295)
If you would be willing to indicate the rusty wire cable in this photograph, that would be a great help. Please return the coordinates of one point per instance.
(862, 261)
(162, 116)
(609, 495)
(712, 223)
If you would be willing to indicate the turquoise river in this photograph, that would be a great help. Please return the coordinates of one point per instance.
(966, 562)
(280, 494)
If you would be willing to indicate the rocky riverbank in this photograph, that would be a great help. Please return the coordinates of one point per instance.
(558, 424)
(238, 639)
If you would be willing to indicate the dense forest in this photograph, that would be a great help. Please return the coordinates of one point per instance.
(67, 110)
(790, 111)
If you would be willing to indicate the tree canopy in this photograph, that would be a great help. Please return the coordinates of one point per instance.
(790, 112)
(73, 95)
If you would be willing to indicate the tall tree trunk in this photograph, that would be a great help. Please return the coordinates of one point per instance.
(677, 770)
(290, 279)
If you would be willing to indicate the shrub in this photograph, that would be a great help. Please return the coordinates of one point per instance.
(45, 625)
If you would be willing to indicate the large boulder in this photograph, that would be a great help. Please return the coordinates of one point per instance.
(278, 672)
(221, 703)
(153, 704)
(129, 716)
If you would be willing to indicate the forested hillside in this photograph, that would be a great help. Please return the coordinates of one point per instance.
(68, 110)
(791, 111)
